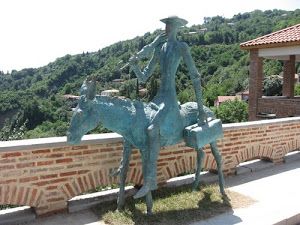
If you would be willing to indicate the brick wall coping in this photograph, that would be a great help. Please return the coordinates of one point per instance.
(232, 126)
(283, 98)
(30, 144)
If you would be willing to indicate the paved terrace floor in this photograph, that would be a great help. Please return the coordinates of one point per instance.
(275, 189)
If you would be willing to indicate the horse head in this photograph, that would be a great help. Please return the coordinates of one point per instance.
(84, 115)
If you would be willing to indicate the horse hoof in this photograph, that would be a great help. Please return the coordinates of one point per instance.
(149, 212)
(225, 197)
(115, 173)
(142, 192)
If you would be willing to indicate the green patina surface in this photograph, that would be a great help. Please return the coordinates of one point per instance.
(159, 123)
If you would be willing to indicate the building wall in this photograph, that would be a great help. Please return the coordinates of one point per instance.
(45, 173)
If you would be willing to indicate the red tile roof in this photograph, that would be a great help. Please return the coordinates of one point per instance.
(288, 36)
(226, 98)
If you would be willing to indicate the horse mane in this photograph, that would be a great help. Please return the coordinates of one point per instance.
(120, 102)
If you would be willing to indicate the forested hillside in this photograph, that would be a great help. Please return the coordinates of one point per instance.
(31, 102)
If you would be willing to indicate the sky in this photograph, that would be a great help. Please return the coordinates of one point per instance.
(34, 33)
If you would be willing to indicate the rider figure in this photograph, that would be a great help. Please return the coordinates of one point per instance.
(166, 50)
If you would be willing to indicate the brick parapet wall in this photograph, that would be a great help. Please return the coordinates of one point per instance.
(282, 107)
(45, 173)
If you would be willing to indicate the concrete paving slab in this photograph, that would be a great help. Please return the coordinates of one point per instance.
(276, 191)
(292, 157)
(85, 217)
(16, 215)
(87, 201)
(242, 170)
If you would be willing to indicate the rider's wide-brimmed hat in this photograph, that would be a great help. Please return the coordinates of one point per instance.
(174, 20)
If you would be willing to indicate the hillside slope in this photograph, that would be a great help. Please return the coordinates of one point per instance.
(34, 95)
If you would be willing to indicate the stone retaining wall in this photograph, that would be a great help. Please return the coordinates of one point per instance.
(45, 173)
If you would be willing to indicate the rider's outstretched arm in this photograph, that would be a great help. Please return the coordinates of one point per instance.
(152, 48)
(196, 79)
(144, 75)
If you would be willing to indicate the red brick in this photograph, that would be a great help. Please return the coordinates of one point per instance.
(20, 195)
(80, 147)
(83, 171)
(6, 160)
(108, 162)
(59, 180)
(8, 181)
(178, 152)
(55, 155)
(48, 176)
(106, 149)
(51, 187)
(80, 184)
(41, 151)
(41, 183)
(6, 167)
(69, 188)
(160, 164)
(169, 171)
(90, 151)
(188, 150)
(68, 173)
(24, 165)
(65, 160)
(33, 196)
(91, 180)
(11, 154)
(63, 149)
(28, 179)
(55, 199)
(74, 153)
(165, 153)
(45, 163)
(74, 165)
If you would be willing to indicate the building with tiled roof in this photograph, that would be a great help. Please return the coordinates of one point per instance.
(283, 45)
(222, 99)
(285, 37)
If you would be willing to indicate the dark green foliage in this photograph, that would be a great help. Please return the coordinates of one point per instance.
(273, 86)
(232, 111)
(297, 90)
(34, 95)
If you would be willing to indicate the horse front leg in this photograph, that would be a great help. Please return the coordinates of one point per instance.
(123, 174)
(218, 159)
(200, 156)
(149, 200)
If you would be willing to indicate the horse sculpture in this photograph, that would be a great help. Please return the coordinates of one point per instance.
(131, 119)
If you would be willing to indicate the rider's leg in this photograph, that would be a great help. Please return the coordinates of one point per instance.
(150, 180)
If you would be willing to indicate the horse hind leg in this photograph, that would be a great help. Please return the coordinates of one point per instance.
(149, 200)
(200, 156)
(218, 159)
(123, 174)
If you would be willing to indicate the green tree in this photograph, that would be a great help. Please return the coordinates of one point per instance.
(232, 111)
(272, 86)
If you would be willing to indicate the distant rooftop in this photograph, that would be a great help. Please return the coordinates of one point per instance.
(67, 96)
(285, 37)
